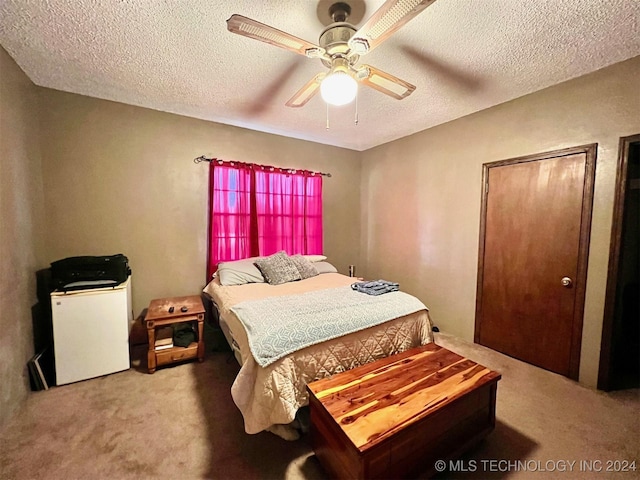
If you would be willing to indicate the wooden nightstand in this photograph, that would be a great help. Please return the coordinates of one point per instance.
(159, 315)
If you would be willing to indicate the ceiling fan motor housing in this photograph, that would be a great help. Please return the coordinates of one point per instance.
(334, 39)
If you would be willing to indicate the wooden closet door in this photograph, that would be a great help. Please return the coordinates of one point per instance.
(533, 254)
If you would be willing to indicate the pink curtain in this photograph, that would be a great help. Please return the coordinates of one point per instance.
(229, 215)
(289, 211)
(254, 212)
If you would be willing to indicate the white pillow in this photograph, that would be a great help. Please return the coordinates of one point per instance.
(315, 258)
(325, 267)
(239, 272)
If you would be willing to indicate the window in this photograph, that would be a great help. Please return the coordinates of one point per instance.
(258, 210)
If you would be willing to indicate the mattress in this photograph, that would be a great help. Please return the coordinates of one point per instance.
(271, 395)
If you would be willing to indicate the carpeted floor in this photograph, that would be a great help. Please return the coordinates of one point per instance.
(181, 422)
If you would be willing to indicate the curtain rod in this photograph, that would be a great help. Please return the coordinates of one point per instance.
(202, 158)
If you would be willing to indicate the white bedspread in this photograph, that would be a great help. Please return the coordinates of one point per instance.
(273, 394)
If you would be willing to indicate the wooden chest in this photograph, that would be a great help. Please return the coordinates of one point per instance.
(396, 416)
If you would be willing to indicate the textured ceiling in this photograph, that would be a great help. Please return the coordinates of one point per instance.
(177, 56)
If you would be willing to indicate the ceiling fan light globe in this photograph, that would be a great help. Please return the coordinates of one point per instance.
(338, 88)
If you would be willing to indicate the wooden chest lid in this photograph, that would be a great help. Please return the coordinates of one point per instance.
(372, 402)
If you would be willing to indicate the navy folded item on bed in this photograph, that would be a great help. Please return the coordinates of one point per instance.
(377, 287)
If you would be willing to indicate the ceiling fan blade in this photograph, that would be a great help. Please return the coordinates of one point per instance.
(259, 31)
(446, 72)
(384, 82)
(392, 15)
(302, 96)
(261, 99)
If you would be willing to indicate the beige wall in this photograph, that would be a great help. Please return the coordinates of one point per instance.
(121, 179)
(97, 177)
(21, 208)
(420, 202)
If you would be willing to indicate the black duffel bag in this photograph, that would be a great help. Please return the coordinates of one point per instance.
(75, 273)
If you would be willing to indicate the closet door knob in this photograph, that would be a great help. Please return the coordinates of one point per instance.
(566, 282)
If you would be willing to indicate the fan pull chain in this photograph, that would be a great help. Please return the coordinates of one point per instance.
(327, 116)
(356, 119)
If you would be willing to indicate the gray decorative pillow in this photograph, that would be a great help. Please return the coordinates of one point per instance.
(278, 268)
(304, 266)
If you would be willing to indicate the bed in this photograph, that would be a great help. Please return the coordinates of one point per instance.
(270, 392)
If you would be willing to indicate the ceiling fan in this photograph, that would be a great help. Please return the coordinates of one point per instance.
(339, 48)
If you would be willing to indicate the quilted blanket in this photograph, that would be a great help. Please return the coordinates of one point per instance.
(271, 395)
(278, 326)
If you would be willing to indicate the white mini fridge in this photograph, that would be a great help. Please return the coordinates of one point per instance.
(91, 332)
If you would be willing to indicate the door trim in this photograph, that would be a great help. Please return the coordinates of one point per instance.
(583, 250)
(604, 369)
